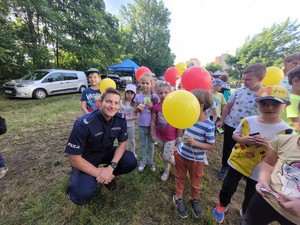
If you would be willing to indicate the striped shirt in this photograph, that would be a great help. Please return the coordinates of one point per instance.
(203, 132)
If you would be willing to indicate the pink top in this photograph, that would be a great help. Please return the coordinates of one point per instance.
(163, 130)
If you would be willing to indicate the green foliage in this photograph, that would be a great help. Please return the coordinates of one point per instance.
(145, 29)
(64, 34)
(268, 47)
(213, 67)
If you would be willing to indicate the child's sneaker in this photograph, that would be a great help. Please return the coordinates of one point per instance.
(196, 207)
(3, 171)
(152, 167)
(242, 214)
(165, 176)
(206, 161)
(142, 166)
(222, 173)
(180, 207)
(218, 212)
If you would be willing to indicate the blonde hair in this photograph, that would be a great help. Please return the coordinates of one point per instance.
(163, 84)
(148, 77)
(203, 97)
(257, 69)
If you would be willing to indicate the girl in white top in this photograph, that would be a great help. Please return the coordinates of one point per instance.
(128, 109)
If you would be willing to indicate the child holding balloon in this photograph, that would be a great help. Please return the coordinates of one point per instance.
(189, 156)
(90, 98)
(161, 129)
(145, 102)
(127, 107)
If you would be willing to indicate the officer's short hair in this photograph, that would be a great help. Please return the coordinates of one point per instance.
(109, 91)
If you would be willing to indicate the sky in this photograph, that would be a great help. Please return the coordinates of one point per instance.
(204, 29)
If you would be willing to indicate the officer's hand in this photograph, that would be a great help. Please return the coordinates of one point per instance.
(106, 175)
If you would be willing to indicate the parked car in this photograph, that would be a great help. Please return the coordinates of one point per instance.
(122, 81)
(41, 83)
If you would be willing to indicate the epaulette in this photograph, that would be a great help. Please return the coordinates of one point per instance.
(88, 119)
(120, 115)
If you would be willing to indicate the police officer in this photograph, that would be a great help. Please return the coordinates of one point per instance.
(92, 143)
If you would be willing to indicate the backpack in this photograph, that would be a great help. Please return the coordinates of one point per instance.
(3, 127)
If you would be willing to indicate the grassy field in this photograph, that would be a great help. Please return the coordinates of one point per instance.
(33, 190)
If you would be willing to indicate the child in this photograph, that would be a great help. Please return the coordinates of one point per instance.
(128, 106)
(218, 97)
(145, 101)
(289, 62)
(189, 156)
(290, 114)
(241, 104)
(3, 129)
(225, 90)
(164, 131)
(90, 98)
(252, 136)
(280, 175)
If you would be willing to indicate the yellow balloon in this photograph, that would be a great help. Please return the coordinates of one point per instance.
(106, 83)
(181, 67)
(273, 76)
(181, 109)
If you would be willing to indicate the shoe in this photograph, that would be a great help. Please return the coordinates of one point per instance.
(3, 171)
(165, 176)
(111, 186)
(180, 207)
(142, 166)
(242, 214)
(152, 168)
(218, 212)
(222, 173)
(196, 207)
(206, 161)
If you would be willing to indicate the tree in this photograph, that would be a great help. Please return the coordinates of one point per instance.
(69, 34)
(213, 67)
(268, 47)
(144, 24)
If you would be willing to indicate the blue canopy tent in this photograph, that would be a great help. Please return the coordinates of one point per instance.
(127, 66)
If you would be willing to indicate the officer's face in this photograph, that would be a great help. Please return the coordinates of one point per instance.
(110, 105)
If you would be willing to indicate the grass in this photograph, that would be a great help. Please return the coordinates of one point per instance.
(34, 189)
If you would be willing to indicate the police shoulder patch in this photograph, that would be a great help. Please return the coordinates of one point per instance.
(120, 115)
(88, 119)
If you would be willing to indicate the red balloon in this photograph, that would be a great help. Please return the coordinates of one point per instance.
(140, 71)
(196, 78)
(171, 75)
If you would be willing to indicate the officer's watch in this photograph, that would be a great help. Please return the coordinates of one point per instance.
(114, 165)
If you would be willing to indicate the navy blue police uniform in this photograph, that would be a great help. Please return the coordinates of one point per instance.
(93, 138)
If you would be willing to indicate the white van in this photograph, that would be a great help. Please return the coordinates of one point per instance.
(41, 83)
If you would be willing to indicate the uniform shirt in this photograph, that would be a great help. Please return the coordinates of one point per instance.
(92, 134)
(243, 100)
(203, 132)
(92, 99)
